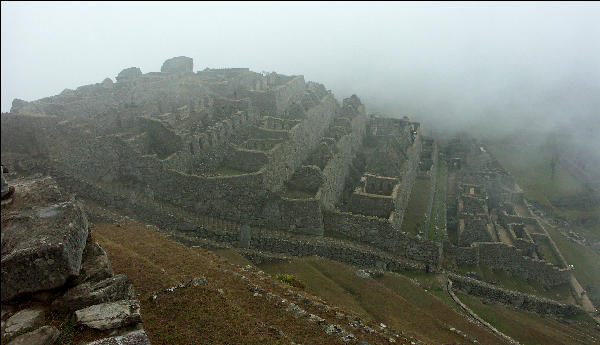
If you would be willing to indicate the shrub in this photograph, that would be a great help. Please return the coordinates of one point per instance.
(290, 279)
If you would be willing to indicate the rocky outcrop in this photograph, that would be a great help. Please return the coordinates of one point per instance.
(42, 248)
(180, 64)
(50, 263)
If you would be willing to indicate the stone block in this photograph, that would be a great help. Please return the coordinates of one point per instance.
(110, 315)
(46, 335)
(42, 248)
(24, 320)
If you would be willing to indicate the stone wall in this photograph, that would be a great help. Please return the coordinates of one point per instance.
(371, 204)
(382, 234)
(337, 168)
(303, 138)
(473, 229)
(501, 256)
(512, 298)
(381, 185)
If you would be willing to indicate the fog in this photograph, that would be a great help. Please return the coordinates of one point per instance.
(453, 66)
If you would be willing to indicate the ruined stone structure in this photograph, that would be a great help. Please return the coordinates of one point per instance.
(266, 150)
(492, 226)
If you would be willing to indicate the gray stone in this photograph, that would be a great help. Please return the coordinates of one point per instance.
(363, 274)
(95, 264)
(133, 338)
(110, 315)
(178, 65)
(129, 74)
(198, 281)
(24, 320)
(42, 248)
(46, 335)
(84, 295)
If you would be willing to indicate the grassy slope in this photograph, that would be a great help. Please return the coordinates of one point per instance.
(530, 328)
(200, 315)
(391, 299)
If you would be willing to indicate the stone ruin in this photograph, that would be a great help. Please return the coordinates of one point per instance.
(493, 225)
(273, 163)
(266, 150)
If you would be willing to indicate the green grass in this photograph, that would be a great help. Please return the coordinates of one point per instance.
(437, 226)
(414, 217)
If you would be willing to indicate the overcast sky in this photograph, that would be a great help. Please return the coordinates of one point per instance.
(452, 64)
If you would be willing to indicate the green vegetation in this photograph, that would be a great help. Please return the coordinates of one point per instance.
(414, 217)
(437, 225)
(290, 279)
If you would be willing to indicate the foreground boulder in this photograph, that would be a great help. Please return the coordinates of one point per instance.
(110, 315)
(42, 248)
(84, 295)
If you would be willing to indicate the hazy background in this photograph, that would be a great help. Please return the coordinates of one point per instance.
(450, 65)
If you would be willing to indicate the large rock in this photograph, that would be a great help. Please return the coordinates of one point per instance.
(95, 264)
(24, 320)
(84, 295)
(110, 315)
(180, 64)
(129, 74)
(42, 248)
(133, 338)
(46, 335)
